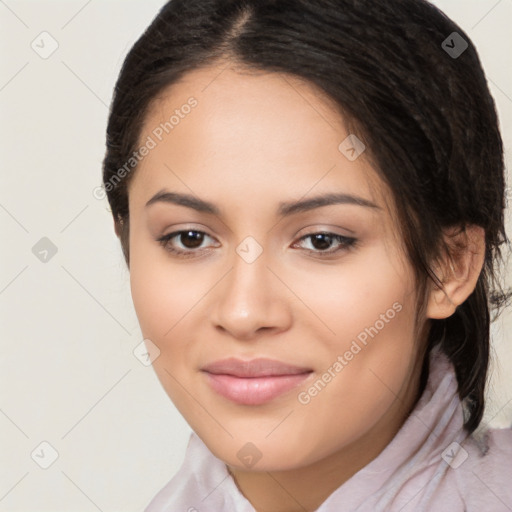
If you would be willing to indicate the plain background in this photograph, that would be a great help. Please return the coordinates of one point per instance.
(68, 375)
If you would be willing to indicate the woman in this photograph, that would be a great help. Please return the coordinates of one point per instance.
(309, 197)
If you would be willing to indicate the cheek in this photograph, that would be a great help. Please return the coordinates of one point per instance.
(158, 294)
(150, 299)
(163, 302)
(168, 298)
(365, 379)
(365, 289)
(370, 309)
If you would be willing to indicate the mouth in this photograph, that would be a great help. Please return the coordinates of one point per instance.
(253, 382)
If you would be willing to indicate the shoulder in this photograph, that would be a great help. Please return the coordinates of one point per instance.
(483, 471)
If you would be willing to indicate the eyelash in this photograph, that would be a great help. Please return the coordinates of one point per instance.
(346, 243)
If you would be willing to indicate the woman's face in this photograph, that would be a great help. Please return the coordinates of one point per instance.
(254, 172)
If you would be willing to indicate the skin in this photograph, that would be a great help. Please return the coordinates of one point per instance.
(253, 141)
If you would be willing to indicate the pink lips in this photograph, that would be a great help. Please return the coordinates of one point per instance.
(253, 382)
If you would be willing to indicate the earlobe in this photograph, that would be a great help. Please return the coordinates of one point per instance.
(458, 274)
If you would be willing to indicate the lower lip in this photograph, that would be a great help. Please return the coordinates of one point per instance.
(254, 390)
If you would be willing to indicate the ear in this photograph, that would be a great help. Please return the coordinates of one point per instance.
(458, 274)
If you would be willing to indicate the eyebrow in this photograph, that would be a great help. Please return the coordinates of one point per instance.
(285, 209)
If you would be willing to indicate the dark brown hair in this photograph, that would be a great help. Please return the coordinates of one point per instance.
(424, 112)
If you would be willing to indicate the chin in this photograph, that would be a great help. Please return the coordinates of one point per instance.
(248, 452)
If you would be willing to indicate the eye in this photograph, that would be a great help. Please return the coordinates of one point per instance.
(323, 240)
(190, 239)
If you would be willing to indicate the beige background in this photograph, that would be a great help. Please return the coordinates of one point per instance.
(68, 329)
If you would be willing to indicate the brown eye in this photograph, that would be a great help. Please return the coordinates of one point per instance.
(191, 239)
(321, 243)
(184, 243)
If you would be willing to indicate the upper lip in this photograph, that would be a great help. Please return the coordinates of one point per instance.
(260, 367)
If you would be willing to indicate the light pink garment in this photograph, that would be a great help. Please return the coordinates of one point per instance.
(420, 469)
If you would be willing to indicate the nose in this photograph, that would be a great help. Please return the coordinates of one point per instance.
(251, 300)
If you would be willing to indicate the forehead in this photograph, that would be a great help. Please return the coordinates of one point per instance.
(251, 131)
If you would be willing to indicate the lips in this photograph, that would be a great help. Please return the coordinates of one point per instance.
(253, 382)
(253, 368)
